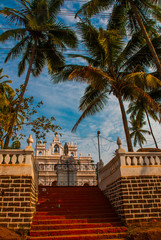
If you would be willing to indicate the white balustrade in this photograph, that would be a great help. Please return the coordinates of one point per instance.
(126, 164)
(19, 162)
(13, 156)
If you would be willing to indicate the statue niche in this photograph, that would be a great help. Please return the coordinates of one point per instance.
(56, 148)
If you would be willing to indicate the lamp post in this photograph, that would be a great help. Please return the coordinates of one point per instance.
(99, 154)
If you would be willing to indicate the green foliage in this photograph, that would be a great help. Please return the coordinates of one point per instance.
(15, 145)
(109, 72)
(122, 15)
(37, 24)
(40, 40)
(5, 89)
(26, 117)
(129, 17)
(139, 109)
(137, 131)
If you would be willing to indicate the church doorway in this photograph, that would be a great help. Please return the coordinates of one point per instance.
(86, 184)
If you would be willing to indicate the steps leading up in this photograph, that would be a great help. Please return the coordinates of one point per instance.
(76, 213)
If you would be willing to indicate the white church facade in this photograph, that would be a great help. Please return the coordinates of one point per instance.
(60, 166)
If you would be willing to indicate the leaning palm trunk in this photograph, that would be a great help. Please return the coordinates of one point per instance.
(126, 128)
(9, 133)
(151, 131)
(149, 43)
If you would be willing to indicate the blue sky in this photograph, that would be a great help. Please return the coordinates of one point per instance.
(62, 100)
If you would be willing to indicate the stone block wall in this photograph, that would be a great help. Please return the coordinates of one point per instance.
(132, 182)
(18, 198)
(18, 187)
(136, 198)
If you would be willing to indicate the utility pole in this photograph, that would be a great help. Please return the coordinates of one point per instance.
(99, 154)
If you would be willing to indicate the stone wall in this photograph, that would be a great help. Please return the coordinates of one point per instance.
(136, 198)
(132, 182)
(18, 199)
(18, 188)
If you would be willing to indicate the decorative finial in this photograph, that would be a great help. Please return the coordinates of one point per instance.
(30, 141)
(119, 143)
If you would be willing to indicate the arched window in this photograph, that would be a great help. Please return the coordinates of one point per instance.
(56, 148)
(72, 154)
(40, 153)
(86, 184)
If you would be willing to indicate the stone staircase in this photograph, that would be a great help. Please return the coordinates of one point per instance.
(75, 213)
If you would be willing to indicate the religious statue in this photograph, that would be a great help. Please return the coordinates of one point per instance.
(66, 149)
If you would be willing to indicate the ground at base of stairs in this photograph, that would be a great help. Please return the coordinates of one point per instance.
(7, 234)
(148, 231)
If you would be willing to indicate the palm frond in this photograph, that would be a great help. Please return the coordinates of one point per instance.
(89, 35)
(54, 7)
(95, 106)
(94, 6)
(118, 18)
(90, 94)
(88, 59)
(66, 35)
(25, 59)
(16, 51)
(144, 57)
(96, 77)
(16, 34)
(62, 73)
(13, 16)
(38, 63)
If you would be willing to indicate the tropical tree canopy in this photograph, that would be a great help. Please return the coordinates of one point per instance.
(5, 89)
(108, 73)
(128, 16)
(139, 109)
(37, 30)
(39, 37)
(137, 131)
(25, 117)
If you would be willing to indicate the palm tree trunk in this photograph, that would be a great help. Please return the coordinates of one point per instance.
(126, 128)
(9, 134)
(149, 43)
(156, 145)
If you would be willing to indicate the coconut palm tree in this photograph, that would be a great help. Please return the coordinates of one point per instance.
(139, 109)
(5, 89)
(7, 111)
(107, 74)
(39, 37)
(127, 15)
(137, 131)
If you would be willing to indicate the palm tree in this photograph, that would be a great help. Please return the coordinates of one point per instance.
(40, 39)
(107, 74)
(5, 89)
(139, 109)
(137, 131)
(7, 111)
(126, 15)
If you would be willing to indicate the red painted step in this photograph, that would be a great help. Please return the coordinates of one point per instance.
(76, 213)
